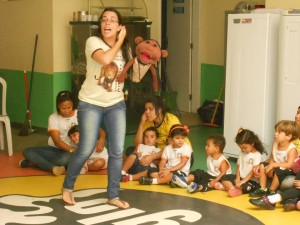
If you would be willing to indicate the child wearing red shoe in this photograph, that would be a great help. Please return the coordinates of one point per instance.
(250, 156)
(132, 168)
(281, 160)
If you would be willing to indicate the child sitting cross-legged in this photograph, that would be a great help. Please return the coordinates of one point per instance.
(175, 159)
(250, 156)
(99, 158)
(134, 167)
(281, 160)
(217, 167)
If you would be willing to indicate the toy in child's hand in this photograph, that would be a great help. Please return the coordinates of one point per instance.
(148, 53)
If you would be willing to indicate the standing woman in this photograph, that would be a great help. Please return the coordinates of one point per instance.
(101, 102)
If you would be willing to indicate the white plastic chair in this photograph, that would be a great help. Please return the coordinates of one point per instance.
(4, 121)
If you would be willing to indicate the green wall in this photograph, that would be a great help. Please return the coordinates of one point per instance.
(44, 90)
(212, 79)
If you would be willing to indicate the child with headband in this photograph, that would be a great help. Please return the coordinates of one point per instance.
(175, 159)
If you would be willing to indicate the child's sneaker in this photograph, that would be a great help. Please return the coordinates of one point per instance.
(219, 186)
(24, 163)
(261, 192)
(234, 192)
(173, 185)
(179, 180)
(145, 180)
(192, 187)
(125, 178)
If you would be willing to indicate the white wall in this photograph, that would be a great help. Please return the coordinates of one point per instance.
(20, 21)
(62, 15)
(284, 4)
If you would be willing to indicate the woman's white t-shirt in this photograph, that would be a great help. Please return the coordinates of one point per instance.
(100, 86)
(63, 124)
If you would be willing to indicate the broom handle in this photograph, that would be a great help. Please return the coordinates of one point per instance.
(215, 111)
(32, 70)
(27, 94)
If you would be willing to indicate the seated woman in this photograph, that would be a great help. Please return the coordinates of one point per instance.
(55, 157)
(155, 115)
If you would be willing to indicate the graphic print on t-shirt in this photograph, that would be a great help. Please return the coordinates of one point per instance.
(107, 76)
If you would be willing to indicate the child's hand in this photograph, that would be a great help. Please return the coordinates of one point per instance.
(238, 183)
(100, 145)
(139, 154)
(164, 172)
(297, 184)
(146, 160)
(211, 183)
(269, 170)
(256, 172)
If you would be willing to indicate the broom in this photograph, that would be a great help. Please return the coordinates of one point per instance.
(212, 124)
(27, 128)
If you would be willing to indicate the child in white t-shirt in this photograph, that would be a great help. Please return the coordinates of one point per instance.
(217, 167)
(175, 159)
(132, 168)
(282, 158)
(250, 156)
(99, 158)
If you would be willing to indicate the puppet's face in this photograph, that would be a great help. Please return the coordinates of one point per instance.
(148, 52)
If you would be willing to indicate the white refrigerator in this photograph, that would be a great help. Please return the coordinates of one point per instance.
(288, 66)
(251, 78)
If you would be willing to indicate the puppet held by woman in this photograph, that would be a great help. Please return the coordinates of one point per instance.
(148, 53)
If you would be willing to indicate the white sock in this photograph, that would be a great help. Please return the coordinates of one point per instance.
(274, 198)
(123, 172)
(130, 177)
(154, 181)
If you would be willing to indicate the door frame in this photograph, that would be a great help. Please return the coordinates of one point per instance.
(196, 53)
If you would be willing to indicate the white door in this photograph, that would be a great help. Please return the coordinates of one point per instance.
(178, 62)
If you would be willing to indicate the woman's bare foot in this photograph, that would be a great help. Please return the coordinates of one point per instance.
(67, 197)
(118, 203)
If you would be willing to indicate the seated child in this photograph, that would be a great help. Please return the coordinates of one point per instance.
(99, 158)
(281, 160)
(175, 159)
(250, 156)
(217, 167)
(132, 164)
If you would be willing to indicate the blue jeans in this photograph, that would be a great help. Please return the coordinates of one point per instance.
(47, 157)
(90, 119)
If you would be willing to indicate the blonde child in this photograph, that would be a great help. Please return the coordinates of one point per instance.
(281, 160)
(217, 167)
(250, 156)
(99, 158)
(175, 159)
(132, 163)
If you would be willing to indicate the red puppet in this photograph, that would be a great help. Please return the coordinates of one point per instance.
(148, 53)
